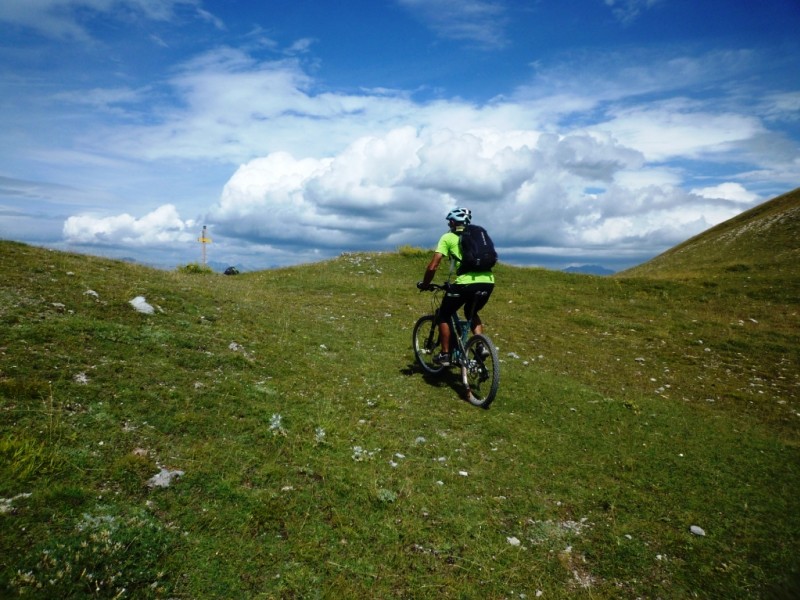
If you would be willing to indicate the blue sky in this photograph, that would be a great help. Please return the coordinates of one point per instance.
(578, 131)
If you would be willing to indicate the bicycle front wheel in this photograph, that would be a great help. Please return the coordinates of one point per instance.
(426, 343)
(481, 371)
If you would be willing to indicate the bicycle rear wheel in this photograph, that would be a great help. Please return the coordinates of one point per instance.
(481, 371)
(426, 343)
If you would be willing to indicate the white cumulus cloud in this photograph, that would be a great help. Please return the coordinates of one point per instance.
(162, 226)
(734, 192)
(531, 189)
(577, 171)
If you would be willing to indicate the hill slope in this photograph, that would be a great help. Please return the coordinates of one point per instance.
(311, 458)
(764, 239)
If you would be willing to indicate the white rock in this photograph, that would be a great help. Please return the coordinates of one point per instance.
(163, 478)
(513, 541)
(141, 305)
(697, 530)
(6, 503)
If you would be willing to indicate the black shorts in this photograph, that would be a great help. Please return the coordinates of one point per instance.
(472, 296)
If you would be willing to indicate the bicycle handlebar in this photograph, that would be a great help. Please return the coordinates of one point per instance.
(432, 287)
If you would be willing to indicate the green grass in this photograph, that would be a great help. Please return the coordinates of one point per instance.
(318, 461)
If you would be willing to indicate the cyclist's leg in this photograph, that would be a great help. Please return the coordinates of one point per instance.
(453, 300)
(477, 295)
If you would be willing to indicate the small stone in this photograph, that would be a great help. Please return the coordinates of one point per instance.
(141, 305)
(163, 478)
(697, 530)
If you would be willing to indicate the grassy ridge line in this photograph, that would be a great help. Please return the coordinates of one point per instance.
(762, 241)
(317, 459)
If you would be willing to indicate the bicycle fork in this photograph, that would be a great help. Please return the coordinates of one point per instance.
(458, 331)
(465, 378)
(464, 365)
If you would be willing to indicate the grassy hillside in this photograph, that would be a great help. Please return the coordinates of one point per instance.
(311, 458)
(763, 241)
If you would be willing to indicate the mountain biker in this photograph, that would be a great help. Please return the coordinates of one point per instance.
(471, 289)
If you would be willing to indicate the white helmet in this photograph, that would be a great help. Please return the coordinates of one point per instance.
(462, 216)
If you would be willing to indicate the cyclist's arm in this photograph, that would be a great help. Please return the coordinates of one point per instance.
(430, 271)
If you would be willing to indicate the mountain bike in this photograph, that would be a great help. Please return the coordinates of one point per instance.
(475, 355)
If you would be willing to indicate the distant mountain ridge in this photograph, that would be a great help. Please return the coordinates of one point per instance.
(589, 270)
(764, 239)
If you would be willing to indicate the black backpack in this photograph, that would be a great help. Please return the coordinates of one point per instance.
(477, 250)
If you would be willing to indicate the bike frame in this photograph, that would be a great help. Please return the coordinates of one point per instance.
(460, 331)
(480, 383)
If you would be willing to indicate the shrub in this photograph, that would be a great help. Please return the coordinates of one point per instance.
(105, 555)
(195, 269)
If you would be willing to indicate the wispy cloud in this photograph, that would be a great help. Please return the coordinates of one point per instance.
(481, 22)
(627, 11)
(210, 18)
(678, 129)
(63, 19)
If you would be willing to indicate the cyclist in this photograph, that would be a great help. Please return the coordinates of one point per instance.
(470, 290)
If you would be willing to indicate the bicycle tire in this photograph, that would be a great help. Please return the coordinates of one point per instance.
(426, 344)
(481, 374)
